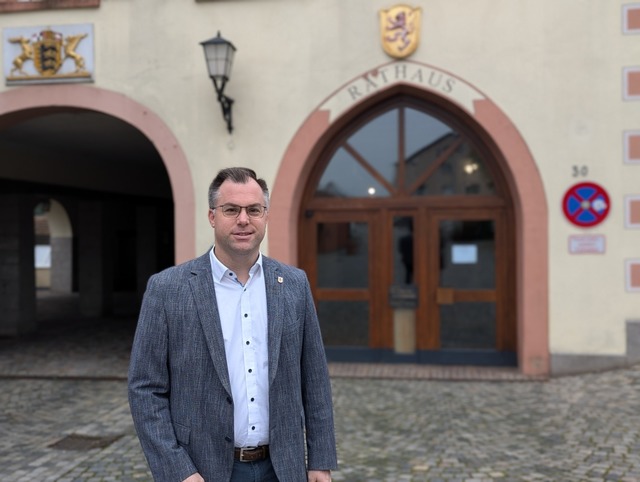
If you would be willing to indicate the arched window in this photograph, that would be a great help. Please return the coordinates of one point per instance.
(405, 151)
(407, 240)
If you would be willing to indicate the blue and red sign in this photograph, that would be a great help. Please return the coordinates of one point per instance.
(586, 204)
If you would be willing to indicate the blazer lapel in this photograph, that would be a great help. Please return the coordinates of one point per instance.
(204, 294)
(274, 284)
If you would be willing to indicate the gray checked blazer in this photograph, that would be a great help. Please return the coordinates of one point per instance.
(179, 389)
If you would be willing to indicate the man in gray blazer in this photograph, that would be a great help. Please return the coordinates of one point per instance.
(228, 377)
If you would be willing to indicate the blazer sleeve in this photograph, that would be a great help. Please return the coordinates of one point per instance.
(149, 390)
(316, 392)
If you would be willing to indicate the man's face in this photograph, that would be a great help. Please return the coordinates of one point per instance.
(238, 237)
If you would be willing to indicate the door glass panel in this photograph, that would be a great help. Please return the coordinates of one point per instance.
(403, 295)
(425, 139)
(467, 255)
(344, 323)
(377, 143)
(468, 326)
(343, 255)
(344, 177)
(463, 173)
(403, 252)
(467, 262)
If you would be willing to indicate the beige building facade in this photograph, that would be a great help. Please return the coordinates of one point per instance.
(460, 180)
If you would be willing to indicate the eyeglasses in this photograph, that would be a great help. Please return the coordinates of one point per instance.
(233, 211)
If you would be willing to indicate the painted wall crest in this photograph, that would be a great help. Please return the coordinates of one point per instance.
(400, 30)
(48, 50)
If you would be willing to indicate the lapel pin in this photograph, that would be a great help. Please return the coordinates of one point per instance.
(280, 279)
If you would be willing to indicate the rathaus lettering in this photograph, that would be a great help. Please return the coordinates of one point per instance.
(423, 76)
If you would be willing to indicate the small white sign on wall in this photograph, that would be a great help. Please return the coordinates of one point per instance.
(464, 254)
(587, 244)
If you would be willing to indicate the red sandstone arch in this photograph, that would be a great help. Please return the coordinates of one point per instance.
(152, 126)
(530, 207)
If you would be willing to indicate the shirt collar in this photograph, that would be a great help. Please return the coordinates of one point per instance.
(219, 270)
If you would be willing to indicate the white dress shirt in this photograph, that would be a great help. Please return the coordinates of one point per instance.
(243, 314)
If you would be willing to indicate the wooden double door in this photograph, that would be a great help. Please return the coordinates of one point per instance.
(407, 237)
(426, 283)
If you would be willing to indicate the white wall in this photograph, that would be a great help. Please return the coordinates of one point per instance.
(554, 67)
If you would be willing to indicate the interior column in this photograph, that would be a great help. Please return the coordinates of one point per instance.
(17, 268)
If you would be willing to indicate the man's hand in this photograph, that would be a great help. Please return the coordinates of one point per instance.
(194, 478)
(319, 476)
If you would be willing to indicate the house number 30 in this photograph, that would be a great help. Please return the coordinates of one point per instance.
(579, 171)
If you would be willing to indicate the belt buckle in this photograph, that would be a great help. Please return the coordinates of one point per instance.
(243, 450)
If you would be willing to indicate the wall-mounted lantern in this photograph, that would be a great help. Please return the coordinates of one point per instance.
(218, 53)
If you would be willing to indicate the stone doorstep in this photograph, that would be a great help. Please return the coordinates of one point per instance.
(429, 372)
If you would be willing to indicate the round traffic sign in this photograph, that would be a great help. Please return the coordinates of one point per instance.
(586, 204)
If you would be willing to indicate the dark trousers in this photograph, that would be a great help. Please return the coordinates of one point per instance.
(260, 471)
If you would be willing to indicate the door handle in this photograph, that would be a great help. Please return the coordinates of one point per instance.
(445, 296)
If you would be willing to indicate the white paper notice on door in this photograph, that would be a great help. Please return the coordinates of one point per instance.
(464, 254)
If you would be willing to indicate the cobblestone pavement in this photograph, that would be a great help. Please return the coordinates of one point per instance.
(64, 417)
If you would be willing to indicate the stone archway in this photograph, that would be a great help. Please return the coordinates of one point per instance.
(520, 169)
(140, 117)
(99, 238)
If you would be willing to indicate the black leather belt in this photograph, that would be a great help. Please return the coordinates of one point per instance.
(251, 454)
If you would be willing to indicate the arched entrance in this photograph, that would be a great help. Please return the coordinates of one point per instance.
(121, 177)
(24, 103)
(522, 224)
(408, 238)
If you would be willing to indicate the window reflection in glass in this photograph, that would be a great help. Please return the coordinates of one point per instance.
(425, 139)
(343, 255)
(403, 250)
(463, 173)
(344, 177)
(422, 131)
(427, 143)
(377, 143)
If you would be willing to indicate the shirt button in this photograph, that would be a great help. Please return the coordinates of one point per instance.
(253, 428)
(248, 342)
(245, 315)
(252, 399)
(250, 370)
